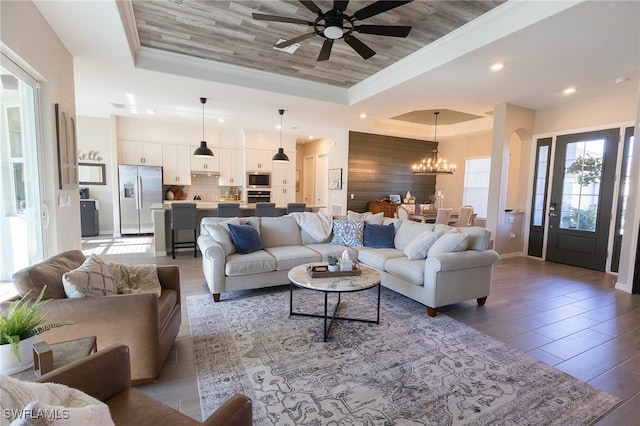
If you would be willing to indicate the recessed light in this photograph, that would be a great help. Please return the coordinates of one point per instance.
(150, 112)
(569, 90)
(310, 136)
(220, 120)
(497, 66)
(363, 115)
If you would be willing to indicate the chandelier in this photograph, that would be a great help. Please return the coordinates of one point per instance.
(432, 163)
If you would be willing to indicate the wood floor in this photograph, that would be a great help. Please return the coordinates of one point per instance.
(570, 318)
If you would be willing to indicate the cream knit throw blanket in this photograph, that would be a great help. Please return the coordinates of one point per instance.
(26, 403)
(317, 225)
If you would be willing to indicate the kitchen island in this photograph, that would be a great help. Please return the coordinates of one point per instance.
(161, 214)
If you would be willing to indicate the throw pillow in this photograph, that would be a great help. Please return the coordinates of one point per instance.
(419, 247)
(445, 228)
(132, 279)
(92, 278)
(449, 242)
(246, 238)
(378, 236)
(368, 217)
(348, 233)
(220, 234)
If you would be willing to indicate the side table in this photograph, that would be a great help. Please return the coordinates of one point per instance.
(48, 357)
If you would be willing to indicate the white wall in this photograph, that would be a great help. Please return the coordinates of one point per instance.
(28, 39)
(94, 134)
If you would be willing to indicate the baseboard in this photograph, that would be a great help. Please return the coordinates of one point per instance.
(508, 255)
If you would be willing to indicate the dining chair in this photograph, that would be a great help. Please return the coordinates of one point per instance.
(464, 216)
(183, 216)
(402, 213)
(228, 209)
(443, 216)
(265, 209)
(296, 207)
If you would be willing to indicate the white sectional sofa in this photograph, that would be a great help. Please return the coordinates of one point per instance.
(458, 269)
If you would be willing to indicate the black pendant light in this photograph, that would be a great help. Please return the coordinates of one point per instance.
(280, 156)
(202, 150)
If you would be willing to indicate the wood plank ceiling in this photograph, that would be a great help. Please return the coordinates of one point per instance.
(224, 31)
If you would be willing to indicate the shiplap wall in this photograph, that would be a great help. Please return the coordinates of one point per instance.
(381, 165)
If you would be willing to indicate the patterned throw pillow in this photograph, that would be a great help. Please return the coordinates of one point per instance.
(92, 278)
(131, 279)
(348, 233)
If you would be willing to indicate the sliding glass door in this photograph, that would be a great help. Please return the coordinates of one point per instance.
(21, 208)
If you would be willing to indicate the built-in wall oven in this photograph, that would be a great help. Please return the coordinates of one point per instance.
(258, 197)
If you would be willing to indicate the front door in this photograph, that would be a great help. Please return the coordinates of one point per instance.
(581, 198)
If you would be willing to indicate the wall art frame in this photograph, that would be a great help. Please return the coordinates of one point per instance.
(67, 151)
(335, 178)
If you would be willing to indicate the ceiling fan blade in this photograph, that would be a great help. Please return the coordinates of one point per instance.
(325, 52)
(363, 50)
(294, 40)
(262, 17)
(340, 5)
(378, 7)
(384, 30)
(309, 4)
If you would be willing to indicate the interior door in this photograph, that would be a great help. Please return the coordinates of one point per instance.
(581, 198)
(322, 181)
(309, 180)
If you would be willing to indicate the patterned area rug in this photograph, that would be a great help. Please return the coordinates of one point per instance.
(408, 370)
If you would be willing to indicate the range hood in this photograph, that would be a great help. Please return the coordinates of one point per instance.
(202, 172)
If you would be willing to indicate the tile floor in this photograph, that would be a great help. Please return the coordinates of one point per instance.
(570, 318)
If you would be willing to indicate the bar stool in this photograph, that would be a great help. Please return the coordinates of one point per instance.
(296, 207)
(265, 209)
(229, 210)
(183, 216)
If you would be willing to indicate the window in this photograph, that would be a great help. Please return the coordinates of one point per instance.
(476, 184)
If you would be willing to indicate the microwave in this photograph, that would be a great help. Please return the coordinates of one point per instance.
(258, 180)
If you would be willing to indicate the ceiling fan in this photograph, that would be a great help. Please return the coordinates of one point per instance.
(336, 24)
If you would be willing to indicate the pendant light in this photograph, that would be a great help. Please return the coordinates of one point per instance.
(280, 156)
(433, 164)
(202, 150)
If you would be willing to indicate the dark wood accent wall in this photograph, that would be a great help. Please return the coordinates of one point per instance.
(381, 165)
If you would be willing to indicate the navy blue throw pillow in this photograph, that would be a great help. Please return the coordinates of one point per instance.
(245, 238)
(378, 236)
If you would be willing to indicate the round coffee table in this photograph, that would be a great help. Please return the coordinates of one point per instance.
(299, 277)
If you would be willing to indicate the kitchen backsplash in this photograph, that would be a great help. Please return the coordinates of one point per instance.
(207, 188)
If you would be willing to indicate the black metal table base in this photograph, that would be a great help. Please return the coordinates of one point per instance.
(327, 328)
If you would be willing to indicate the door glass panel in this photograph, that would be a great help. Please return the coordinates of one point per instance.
(21, 226)
(540, 185)
(581, 185)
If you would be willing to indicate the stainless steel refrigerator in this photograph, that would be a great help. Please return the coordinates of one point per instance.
(139, 187)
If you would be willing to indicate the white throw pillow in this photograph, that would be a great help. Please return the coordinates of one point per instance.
(449, 242)
(131, 279)
(368, 217)
(445, 228)
(220, 234)
(419, 247)
(92, 278)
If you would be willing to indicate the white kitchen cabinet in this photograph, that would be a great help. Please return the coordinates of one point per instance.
(141, 153)
(258, 160)
(231, 167)
(176, 164)
(205, 164)
(284, 174)
(281, 195)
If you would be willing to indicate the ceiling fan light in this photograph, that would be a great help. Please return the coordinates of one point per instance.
(333, 32)
(280, 156)
(203, 150)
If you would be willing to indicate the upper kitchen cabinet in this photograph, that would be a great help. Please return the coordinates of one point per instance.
(176, 164)
(258, 160)
(231, 167)
(206, 164)
(284, 174)
(141, 153)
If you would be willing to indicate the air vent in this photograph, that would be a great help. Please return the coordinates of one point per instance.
(118, 106)
(289, 49)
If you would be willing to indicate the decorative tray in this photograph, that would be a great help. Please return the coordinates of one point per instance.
(322, 271)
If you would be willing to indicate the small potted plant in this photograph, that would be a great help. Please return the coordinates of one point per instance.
(20, 325)
(333, 263)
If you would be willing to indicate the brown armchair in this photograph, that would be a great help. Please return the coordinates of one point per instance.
(106, 375)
